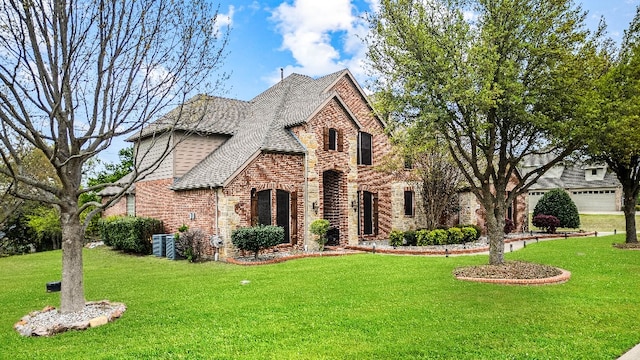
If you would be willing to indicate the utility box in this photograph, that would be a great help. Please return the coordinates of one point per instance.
(171, 248)
(159, 245)
(54, 286)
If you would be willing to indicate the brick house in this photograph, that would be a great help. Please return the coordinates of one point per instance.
(302, 150)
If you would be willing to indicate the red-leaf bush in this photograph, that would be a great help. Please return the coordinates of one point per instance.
(548, 222)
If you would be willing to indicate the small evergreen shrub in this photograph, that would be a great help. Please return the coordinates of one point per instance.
(548, 222)
(559, 204)
(410, 238)
(476, 227)
(438, 237)
(130, 234)
(320, 227)
(469, 234)
(255, 239)
(395, 238)
(422, 237)
(455, 236)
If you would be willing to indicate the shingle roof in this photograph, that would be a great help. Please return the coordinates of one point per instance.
(263, 127)
(573, 177)
(201, 114)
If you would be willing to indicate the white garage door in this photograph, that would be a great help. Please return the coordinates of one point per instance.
(594, 200)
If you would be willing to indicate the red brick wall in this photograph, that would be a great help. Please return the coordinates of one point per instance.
(370, 179)
(270, 171)
(154, 199)
(118, 208)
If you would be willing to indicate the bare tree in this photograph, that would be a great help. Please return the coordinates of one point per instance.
(76, 74)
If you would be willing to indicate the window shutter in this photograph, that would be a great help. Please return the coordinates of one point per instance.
(294, 217)
(325, 138)
(340, 140)
(375, 214)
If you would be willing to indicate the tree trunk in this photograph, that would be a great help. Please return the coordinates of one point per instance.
(495, 232)
(630, 197)
(72, 292)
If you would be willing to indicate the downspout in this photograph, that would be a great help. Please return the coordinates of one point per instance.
(306, 199)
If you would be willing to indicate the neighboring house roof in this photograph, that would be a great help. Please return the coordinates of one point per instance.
(573, 177)
(261, 124)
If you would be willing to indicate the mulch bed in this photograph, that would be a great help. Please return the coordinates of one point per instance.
(627, 246)
(513, 273)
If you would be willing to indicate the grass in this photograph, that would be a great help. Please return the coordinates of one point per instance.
(350, 307)
(597, 222)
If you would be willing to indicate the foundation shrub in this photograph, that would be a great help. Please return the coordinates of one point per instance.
(395, 238)
(438, 237)
(423, 237)
(130, 234)
(410, 238)
(255, 239)
(470, 234)
(455, 236)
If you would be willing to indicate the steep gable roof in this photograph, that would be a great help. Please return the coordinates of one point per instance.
(265, 127)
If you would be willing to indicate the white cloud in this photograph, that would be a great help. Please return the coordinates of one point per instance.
(224, 21)
(322, 36)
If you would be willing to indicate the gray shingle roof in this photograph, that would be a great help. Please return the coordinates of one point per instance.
(201, 114)
(263, 126)
(573, 177)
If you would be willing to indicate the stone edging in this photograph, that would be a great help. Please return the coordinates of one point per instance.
(558, 279)
(284, 258)
(24, 328)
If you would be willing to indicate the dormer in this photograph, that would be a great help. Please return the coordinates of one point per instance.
(595, 172)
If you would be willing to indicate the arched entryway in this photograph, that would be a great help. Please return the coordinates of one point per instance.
(333, 205)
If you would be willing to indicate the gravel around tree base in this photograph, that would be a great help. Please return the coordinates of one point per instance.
(509, 270)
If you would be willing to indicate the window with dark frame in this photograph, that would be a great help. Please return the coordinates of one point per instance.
(264, 207)
(333, 139)
(369, 213)
(408, 203)
(365, 153)
(594, 171)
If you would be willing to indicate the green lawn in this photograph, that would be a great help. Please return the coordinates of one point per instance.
(598, 222)
(350, 307)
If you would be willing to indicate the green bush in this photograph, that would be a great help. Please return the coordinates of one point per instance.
(320, 227)
(423, 237)
(470, 234)
(455, 236)
(410, 238)
(257, 238)
(130, 234)
(558, 203)
(395, 238)
(438, 237)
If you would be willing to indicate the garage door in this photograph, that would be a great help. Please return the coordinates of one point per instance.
(594, 200)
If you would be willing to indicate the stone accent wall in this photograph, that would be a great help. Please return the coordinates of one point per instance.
(400, 221)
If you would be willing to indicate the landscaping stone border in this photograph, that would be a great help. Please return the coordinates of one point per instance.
(558, 279)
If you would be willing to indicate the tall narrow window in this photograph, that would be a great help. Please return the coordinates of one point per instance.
(408, 203)
(283, 214)
(333, 139)
(369, 213)
(365, 149)
(131, 205)
(264, 207)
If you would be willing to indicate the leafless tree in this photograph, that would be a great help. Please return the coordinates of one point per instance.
(76, 74)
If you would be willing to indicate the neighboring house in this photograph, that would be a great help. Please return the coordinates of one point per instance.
(592, 187)
(302, 150)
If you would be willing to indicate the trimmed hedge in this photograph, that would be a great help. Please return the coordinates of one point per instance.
(395, 238)
(257, 238)
(558, 203)
(129, 234)
(424, 237)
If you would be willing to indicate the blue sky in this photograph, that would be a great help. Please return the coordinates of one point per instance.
(317, 37)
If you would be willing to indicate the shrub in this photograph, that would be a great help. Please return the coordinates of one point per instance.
(548, 222)
(469, 234)
(476, 227)
(190, 244)
(422, 237)
(320, 227)
(558, 203)
(438, 237)
(257, 238)
(395, 238)
(454, 236)
(508, 226)
(129, 234)
(410, 238)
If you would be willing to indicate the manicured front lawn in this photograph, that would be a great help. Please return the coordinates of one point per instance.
(359, 306)
(598, 222)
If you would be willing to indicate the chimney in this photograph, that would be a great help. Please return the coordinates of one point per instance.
(281, 74)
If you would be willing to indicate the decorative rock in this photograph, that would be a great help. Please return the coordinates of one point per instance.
(244, 282)
(50, 322)
(99, 321)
